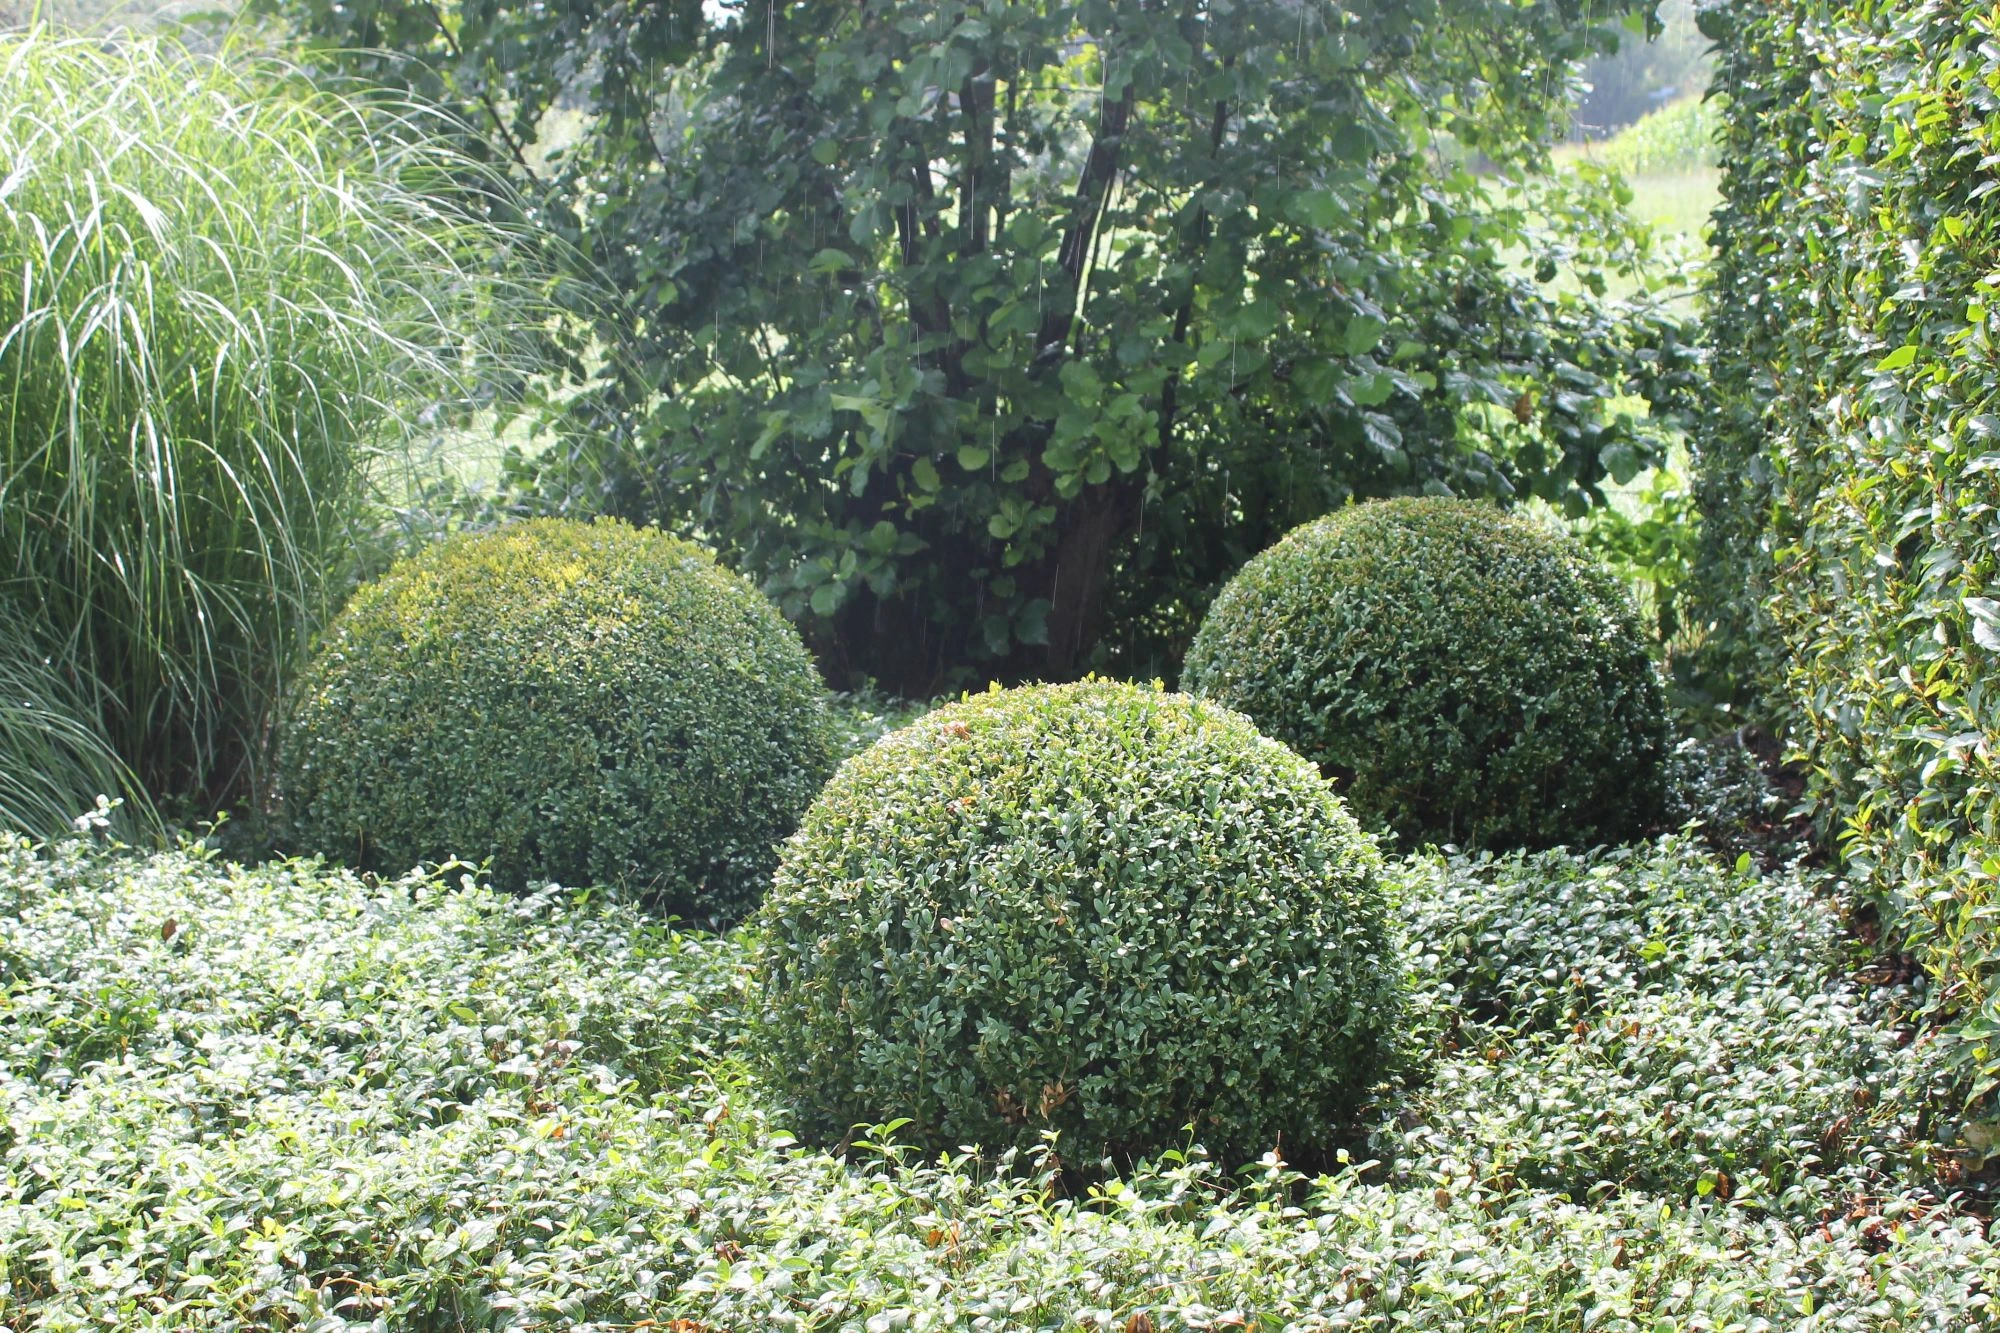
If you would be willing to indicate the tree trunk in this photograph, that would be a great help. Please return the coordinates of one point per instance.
(1092, 527)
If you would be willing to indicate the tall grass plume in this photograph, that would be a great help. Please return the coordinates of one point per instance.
(228, 302)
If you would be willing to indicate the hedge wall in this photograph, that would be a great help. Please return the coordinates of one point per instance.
(1851, 475)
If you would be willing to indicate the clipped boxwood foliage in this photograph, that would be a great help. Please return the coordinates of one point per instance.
(1098, 908)
(589, 703)
(1465, 676)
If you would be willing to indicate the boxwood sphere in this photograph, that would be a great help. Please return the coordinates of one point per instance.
(1464, 675)
(1096, 908)
(589, 703)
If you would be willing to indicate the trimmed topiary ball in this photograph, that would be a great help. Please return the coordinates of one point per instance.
(1464, 675)
(589, 703)
(1094, 908)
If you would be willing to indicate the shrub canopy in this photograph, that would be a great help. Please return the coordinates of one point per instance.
(1094, 908)
(1464, 675)
(583, 702)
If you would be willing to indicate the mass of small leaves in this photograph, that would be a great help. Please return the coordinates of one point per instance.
(1719, 784)
(1645, 1019)
(1463, 675)
(293, 1097)
(1854, 330)
(862, 717)
(593, 704)
(1100, 909)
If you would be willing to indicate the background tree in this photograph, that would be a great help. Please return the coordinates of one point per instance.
(992, 336)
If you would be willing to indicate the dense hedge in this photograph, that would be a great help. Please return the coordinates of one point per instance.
(1465, 675)
(1097, 908)
(585, 703)
(1856, 344)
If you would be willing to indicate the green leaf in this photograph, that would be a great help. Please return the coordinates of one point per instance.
(926, 474)
(1985, 613)
(1363, 332)
(1897, 359)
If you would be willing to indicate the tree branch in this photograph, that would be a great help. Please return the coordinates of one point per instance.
(1093, 188)
(485, 98)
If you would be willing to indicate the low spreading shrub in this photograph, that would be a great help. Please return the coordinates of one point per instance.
(1464, 675)
(1647, 1019)
(1720, 783)
(289, 1098)
(585, 703)
(1096, 908)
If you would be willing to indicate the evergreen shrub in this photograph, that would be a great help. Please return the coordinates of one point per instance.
(1464, 675)
(589, 703)
(1097, 908)
(1853, 472)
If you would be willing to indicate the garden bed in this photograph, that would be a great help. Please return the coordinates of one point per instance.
(1641, 1093)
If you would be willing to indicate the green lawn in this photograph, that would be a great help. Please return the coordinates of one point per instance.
(1676, 203)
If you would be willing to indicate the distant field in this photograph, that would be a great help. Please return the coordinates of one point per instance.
(1676, 203)
(1668, 158)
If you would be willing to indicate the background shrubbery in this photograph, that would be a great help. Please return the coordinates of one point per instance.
(1465, 676)
(1152, 305)
(1098, 909)
(590, 703)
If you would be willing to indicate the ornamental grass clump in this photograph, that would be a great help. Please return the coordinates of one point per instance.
(227, 302)
(1464, 675)
(588, 703)
(1098, 909)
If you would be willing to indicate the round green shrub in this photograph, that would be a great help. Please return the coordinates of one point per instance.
(1464, 675)
(589, 703)
(1097, 908)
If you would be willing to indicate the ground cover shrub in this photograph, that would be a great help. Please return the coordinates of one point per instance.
(226, 304)
(862, 717)
(291, 1097)
(1464, 675)
(589, 703)
(1852, 475)
(1646, 1018)
(1098, 909)
(1720, 784)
